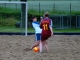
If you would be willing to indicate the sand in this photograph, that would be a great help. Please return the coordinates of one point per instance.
(62, 47)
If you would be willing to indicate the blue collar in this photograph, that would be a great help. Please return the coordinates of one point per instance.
(35, 22)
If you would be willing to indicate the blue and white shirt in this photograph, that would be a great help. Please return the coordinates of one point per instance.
(36, 26)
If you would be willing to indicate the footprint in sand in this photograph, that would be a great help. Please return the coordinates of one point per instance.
(27, 49)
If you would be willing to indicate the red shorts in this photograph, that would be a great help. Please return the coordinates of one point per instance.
(45, 35)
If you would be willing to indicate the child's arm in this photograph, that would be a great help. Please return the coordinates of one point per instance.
(51, 30)
(40, 25)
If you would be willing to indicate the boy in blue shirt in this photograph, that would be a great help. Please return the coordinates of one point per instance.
(38, 31)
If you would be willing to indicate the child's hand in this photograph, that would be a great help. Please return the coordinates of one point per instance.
(41, 18)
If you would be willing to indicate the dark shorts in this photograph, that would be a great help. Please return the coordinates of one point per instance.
(38, 36)
(45, 35)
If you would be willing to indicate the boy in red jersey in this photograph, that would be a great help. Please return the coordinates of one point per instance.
(46, 26)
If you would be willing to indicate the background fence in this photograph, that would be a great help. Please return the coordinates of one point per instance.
(11, 17)
(65, 14)
(66, 6)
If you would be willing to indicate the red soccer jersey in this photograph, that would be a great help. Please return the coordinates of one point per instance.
(46, 32)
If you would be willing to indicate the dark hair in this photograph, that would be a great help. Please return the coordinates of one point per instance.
(33, 17)
(46, 14)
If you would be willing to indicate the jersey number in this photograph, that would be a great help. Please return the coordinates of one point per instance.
(45, 27)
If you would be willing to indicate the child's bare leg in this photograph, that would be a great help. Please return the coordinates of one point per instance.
(40, 46)
(46, 45)
(36, 44)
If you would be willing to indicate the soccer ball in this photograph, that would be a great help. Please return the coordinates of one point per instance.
(36, 49)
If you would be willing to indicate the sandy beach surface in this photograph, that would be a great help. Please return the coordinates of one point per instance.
(17, 47)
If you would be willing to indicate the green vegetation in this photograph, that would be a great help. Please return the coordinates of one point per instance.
(14, 29)
(57, 12)
(9, 10)
(9, 29)
(9, 13)
(60, 30)
(67, 30)
(8, 18)
(8, 22)
(75, 12)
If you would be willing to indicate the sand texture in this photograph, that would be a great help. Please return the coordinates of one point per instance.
(62, 47)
